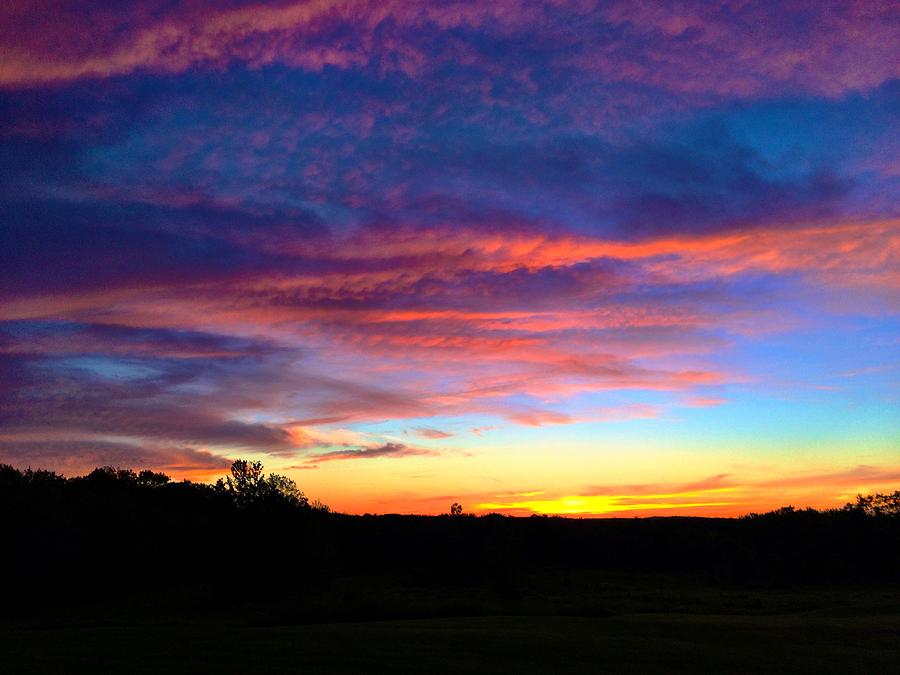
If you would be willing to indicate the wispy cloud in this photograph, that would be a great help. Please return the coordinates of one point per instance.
(75, 457)
(720, 494)
(429, 432)
(696, 48)
(386, 450)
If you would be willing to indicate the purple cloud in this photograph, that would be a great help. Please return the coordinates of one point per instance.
(386, 450)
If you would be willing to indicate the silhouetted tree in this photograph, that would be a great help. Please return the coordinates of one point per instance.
(284, 488)
(11, 477)
(456, 509)
(149, 478)
(319, 505)
(877, 505)
(108, 475)
(249, 486)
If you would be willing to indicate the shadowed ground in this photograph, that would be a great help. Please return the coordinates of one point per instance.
(812, 643)
(119, 572)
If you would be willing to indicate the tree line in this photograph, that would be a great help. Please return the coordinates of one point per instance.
(114, 535)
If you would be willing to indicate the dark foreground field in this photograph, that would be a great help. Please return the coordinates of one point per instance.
(558, 621)
(124, 573)
(856, 635)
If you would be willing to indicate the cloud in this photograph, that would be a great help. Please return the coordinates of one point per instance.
(539, 418)
(429, 432)
(157, 398)
(705, 401)
(632, 411)
(715, 482)
(719, 494)
(859, 475)
(432, 344)
(311, 437)
(75, 457)
(672, 38)
(737, 49)
(391, 450)
(269, 228)
(48, 338)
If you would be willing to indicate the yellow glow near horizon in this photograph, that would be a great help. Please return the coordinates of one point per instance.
(599, 504)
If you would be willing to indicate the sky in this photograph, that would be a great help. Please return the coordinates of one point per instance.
(568, 257)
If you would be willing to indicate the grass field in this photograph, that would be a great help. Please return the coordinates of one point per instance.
(812, 642)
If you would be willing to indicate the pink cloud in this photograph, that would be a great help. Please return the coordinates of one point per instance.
(428, 432)
(633, 411)
(539, 418)
(705, 401)
(400, 331)
(696, 49)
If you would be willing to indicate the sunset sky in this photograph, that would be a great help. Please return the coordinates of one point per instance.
(619, 258)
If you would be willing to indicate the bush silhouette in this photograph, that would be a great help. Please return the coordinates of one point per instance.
(248, 486)
(877, 505)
